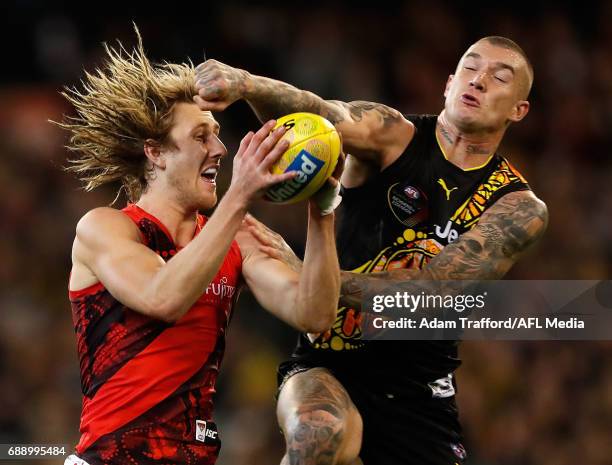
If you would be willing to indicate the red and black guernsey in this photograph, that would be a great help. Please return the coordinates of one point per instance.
(146, 382)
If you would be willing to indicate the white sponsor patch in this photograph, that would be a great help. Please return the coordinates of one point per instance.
(203, 433)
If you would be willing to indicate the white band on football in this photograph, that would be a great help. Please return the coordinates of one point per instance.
(328, 199)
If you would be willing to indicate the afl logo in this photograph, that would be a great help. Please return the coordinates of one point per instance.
(412, 192)
(408, 204)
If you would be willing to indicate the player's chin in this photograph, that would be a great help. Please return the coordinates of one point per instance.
(210, 201)
(207, 199)
(469, 120)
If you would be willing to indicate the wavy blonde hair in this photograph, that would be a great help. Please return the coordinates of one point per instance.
(119, 107)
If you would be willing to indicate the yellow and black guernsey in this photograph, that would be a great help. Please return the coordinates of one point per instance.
(400, 219)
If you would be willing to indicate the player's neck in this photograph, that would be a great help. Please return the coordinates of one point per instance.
(179, 222)
(466, 150)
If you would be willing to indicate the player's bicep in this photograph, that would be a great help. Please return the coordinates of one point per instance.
(372, 131)
(108, 244)
(506, 230)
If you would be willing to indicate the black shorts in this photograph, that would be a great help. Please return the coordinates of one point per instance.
(398, 429)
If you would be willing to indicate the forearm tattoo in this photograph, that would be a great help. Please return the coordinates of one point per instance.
(272, 99)
(506, 230)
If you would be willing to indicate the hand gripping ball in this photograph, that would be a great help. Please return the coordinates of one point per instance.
(313, 153)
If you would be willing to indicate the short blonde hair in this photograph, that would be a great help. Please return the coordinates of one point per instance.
(119, 107)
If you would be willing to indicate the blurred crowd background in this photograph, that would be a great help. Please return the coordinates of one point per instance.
(521, 403)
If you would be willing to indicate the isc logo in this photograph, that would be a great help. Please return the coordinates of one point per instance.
(206, 433)
(307, 167)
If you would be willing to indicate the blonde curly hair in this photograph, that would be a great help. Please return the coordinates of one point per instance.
(118, 108)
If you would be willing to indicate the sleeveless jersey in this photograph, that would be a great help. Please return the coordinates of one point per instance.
(147, 385)
(400, 219)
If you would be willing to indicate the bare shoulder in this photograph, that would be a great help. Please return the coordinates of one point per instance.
(96, 233)
(521, 204)
(525, 198)
(372, 131)
(385, 115)
(102, 226)
(401, 139)
(520, 218)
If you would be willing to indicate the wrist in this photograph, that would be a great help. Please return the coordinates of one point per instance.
(235, 199)
(328, 198)
(316, 215)
(250, 88)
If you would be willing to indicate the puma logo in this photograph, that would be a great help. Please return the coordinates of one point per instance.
(446, 189)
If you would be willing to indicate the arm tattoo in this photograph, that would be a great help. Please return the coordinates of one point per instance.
(386, 114)
(271, 99)
(505, 231)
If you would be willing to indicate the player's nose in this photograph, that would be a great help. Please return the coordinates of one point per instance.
(217, 149)
(478, 82)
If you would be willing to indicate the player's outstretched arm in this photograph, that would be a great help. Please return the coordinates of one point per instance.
(506, 230)
(371, 131)
(108, 244)
(304, 296)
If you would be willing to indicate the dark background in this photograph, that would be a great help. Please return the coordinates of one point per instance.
(521, 403)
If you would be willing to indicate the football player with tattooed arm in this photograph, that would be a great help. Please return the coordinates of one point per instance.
(424, 198)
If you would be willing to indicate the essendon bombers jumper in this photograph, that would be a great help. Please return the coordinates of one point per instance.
(147, 385)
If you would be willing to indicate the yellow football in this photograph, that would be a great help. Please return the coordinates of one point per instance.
(313, 152)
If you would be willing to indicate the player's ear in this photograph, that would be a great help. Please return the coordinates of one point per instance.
(153, 151)
(519, 111)
(448, 83)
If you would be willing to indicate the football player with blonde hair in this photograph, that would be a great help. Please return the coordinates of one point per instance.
(153, 285)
